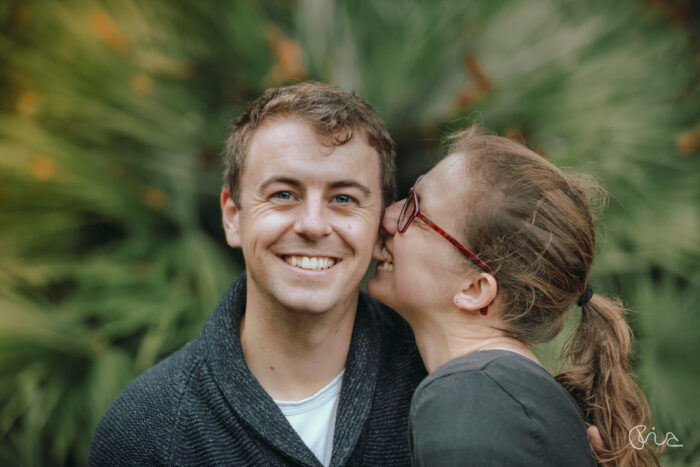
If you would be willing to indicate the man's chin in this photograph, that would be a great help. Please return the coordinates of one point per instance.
(310, 304)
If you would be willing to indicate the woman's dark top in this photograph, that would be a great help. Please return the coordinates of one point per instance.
(496, 407)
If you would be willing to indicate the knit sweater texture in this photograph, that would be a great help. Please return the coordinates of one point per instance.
(203, 406)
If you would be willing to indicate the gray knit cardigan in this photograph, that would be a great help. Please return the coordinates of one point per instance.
(202, 406)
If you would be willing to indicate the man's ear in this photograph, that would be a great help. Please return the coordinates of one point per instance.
(477, 293)
(377, 252)
(230, 218)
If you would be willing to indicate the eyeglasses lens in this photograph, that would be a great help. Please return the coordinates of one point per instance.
(406, 213)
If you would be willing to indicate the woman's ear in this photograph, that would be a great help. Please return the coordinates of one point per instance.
(477, 293)
(230, 218)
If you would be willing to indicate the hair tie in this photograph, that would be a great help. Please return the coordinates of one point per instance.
(585, 296)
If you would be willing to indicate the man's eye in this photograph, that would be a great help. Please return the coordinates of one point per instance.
(283, 195)
(343, 199)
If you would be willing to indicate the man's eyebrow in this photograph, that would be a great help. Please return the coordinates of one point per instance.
(350, 184)
(333, 185)
(280, 179)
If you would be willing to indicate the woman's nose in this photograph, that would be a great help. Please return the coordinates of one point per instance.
(391, 217)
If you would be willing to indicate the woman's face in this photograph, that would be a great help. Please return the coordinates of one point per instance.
(426, 268)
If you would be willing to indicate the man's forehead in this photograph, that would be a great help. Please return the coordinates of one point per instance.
(337, 137)
(292, 146)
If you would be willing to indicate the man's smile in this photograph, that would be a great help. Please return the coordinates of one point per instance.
(310, 263)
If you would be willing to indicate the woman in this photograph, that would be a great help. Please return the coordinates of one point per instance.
(520, 245)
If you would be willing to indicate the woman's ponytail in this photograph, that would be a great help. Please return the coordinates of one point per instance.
(600, 381)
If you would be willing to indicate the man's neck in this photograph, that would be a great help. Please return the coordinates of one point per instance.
(294, 354)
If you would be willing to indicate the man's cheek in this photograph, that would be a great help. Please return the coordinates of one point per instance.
(270, 224)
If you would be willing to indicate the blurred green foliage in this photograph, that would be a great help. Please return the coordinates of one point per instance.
(112, 120)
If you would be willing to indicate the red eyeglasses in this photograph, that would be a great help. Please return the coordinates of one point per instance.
(411, 210)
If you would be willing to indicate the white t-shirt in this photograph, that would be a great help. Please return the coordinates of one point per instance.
(313, 418)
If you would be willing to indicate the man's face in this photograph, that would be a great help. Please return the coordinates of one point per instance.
(307, 217)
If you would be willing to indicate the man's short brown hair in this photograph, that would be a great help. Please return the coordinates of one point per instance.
(331, 112)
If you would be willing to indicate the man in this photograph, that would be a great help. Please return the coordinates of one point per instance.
(295, 366)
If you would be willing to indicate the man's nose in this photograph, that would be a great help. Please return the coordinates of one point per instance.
(313, 221)
(391, 217)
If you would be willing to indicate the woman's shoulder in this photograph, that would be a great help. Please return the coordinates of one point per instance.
(497, 405)
(511, 375)
(493, 376)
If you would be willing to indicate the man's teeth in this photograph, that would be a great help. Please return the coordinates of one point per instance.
(389, 261)
(311, 263)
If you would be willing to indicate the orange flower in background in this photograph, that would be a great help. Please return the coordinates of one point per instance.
(516, 134)
(104, 27)
(155, 198)
(288, 53)
(26, 104)
(142, 84)
(23, 14)
(689, 141)
(481, 86)
(42, 168)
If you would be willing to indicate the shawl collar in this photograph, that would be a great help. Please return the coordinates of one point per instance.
(256, 408)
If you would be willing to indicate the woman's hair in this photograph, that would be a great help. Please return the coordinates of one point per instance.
(534, 227)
